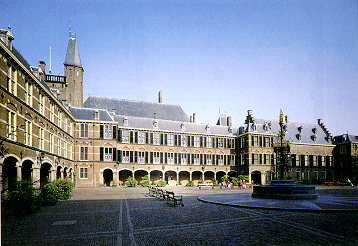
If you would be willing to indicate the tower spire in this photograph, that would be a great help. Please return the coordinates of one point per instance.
(70, 34)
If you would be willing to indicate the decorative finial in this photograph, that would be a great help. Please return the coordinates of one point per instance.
(9, 26)
(70, 28)
(281, 116)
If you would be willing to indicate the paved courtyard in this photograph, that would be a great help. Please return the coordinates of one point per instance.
(129, 216)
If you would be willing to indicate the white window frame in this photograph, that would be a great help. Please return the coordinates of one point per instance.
(125, 136)
(184, 140)
(209, 142)
(209, 159)
(170, 139)
(141, 137)
(183, 158)
(141, 157)
(107, 154)
(84, 153)
(156, 138)
(156, 157)
(28, 132)
(84, 130)
(196, 141)
(83, 172)
(125, 156)
(170, 158)
(108, 131)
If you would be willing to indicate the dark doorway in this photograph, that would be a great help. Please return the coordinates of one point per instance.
(9, 173)
(108, 177)
(45, 174)
(256, 177)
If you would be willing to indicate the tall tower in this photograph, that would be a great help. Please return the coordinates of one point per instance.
(74, 74)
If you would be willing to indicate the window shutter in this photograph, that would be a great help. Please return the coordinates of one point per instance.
(147, 138)
(101, 153)
(161, 158)
(114, 132)
(165, 139)
(131, 136)
(120, 135)
(161, 139)
(175, 140)
(175, 158)
(136, 137)
(136, 156)
(101, 131)
(131, 156)
(151, 138)
(114, 154)
(146, 157)
(151, 157)
(119, 155)
(166, 158)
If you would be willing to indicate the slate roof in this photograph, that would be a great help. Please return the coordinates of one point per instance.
(168, 125)
(345, 138)
(295, 132)
(137, 108)
(89, 114)
(73, 55)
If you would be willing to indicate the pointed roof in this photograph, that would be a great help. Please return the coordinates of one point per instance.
(73, 55)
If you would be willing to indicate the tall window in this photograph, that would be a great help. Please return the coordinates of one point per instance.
(196, 141)
(41, 138)
(107, 154)
(28, 93)
(141, 137)
(220, 159)
(170, 140)
(83, 172)
(141, 157)
(183, 158)
(156, 157)
(59, 146)
(209, 159)
(84, 131)
(84, 154)
(125, 156)
(52, 111)
(209, 142)
(12, 80)
(170, 158)
(255, 159)
(125, 136)
(41, 103)
(28, 132)
(51, 140)
(11, 125)
(195, 159)
(220, 143)
(108, 132)
(267, 142)
(184, 140)
(267, 159)
(255, 141)
(156, 138)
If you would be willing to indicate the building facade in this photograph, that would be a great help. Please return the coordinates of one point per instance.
(36, 128)
(310, 150)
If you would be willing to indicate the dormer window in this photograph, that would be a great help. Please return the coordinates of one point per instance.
(314, 138)
(229, 130)
(314, 130)
(155, 124)
(253, 126)
(207, 128)
(96, 115)
(182, 126)
(298, 136)
(125, 121)
(300, 129)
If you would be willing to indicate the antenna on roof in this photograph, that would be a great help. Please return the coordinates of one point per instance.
(50, 62)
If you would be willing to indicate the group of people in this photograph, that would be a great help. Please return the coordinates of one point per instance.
(228, 184)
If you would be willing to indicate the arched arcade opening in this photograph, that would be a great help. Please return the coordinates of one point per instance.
(123, 176)
(9, 173)
(108, 177)
(45, 172)
(256, 177)
(26, 171)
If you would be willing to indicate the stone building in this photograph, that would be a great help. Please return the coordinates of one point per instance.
(158, 140)
(36, 138)
(346, 157)
(310, 150)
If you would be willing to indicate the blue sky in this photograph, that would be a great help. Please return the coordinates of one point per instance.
(264, 55)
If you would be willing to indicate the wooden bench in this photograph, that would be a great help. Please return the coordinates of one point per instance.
(205, 184)
(177, 200)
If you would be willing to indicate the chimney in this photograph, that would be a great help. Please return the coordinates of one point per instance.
(228, 121)
(113, 111)
(42, 66)
(287, 118)
(155, 115)
(193, 117)
(160, 99)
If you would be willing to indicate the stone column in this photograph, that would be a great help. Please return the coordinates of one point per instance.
(191, 176)
(177, 178)
(101, 177)
(52, 175)
(115, 177)
(18, 171)
(36, 177)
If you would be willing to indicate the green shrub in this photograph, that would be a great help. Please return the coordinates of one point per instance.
(244, 177)
(190, 183)
(225, 178)
(131, 182)
(20, 201)
(145, 181)
(201, 181)
(235, 181)
(60, 189)
(161, 183)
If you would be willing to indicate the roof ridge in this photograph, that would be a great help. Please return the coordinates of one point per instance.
(129, 100)
(288, 122)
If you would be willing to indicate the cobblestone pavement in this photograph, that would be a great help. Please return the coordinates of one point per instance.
(129, 216)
